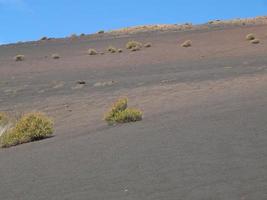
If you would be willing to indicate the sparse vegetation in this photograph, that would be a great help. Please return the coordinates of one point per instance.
(120, 50)
(82, 35)
(255, 41)
(19, 58)
(187, 43)
(30, 127)
(92, 52)
(119, 113)
(250, 36)
(147, 45)
(55, 56)
(134, 45)
(101, 32)
(111, 49)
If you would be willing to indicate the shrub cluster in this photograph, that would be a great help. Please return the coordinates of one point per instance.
(134, 45)
(120, 113)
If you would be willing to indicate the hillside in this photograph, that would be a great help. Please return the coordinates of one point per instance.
(203, 134)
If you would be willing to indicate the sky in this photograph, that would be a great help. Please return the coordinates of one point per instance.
(24, 20)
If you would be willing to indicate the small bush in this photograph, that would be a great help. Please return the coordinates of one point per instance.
(111, 49)
(55, 56)
(30, 127)
(118, 106)
(134, 45)
(128, 115)
(92, 52)
(187, 43)
(101, 32)
(255, 41)
(120, 50)
(19, 58)
(250, 37)
(147, 45)
(119, 113)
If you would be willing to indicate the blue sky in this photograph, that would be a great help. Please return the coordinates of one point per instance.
(23, 20)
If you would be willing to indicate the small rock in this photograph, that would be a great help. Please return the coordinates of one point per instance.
(81, 82)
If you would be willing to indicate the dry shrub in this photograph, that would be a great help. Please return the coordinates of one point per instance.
(255, 41)
(128, 115)
(19, 58)
(55, 56)
(92, 52)
(147, 45)
(134, 45)
(250, 36)
(30, 127)
(119, 113)
(187, 43)
(111, 49)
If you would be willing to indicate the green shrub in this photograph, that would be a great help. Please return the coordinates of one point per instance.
(118, 106)
(187, 43)
(128, 115)
(134, 45)
(111, 49)
(101, 32)
(92, 52)
(30, 127)
(119, 113)
(250, 36)
(19, 58)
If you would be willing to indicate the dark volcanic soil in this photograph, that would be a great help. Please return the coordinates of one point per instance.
(204, 132)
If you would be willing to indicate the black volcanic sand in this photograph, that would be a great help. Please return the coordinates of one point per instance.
(204, 132)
